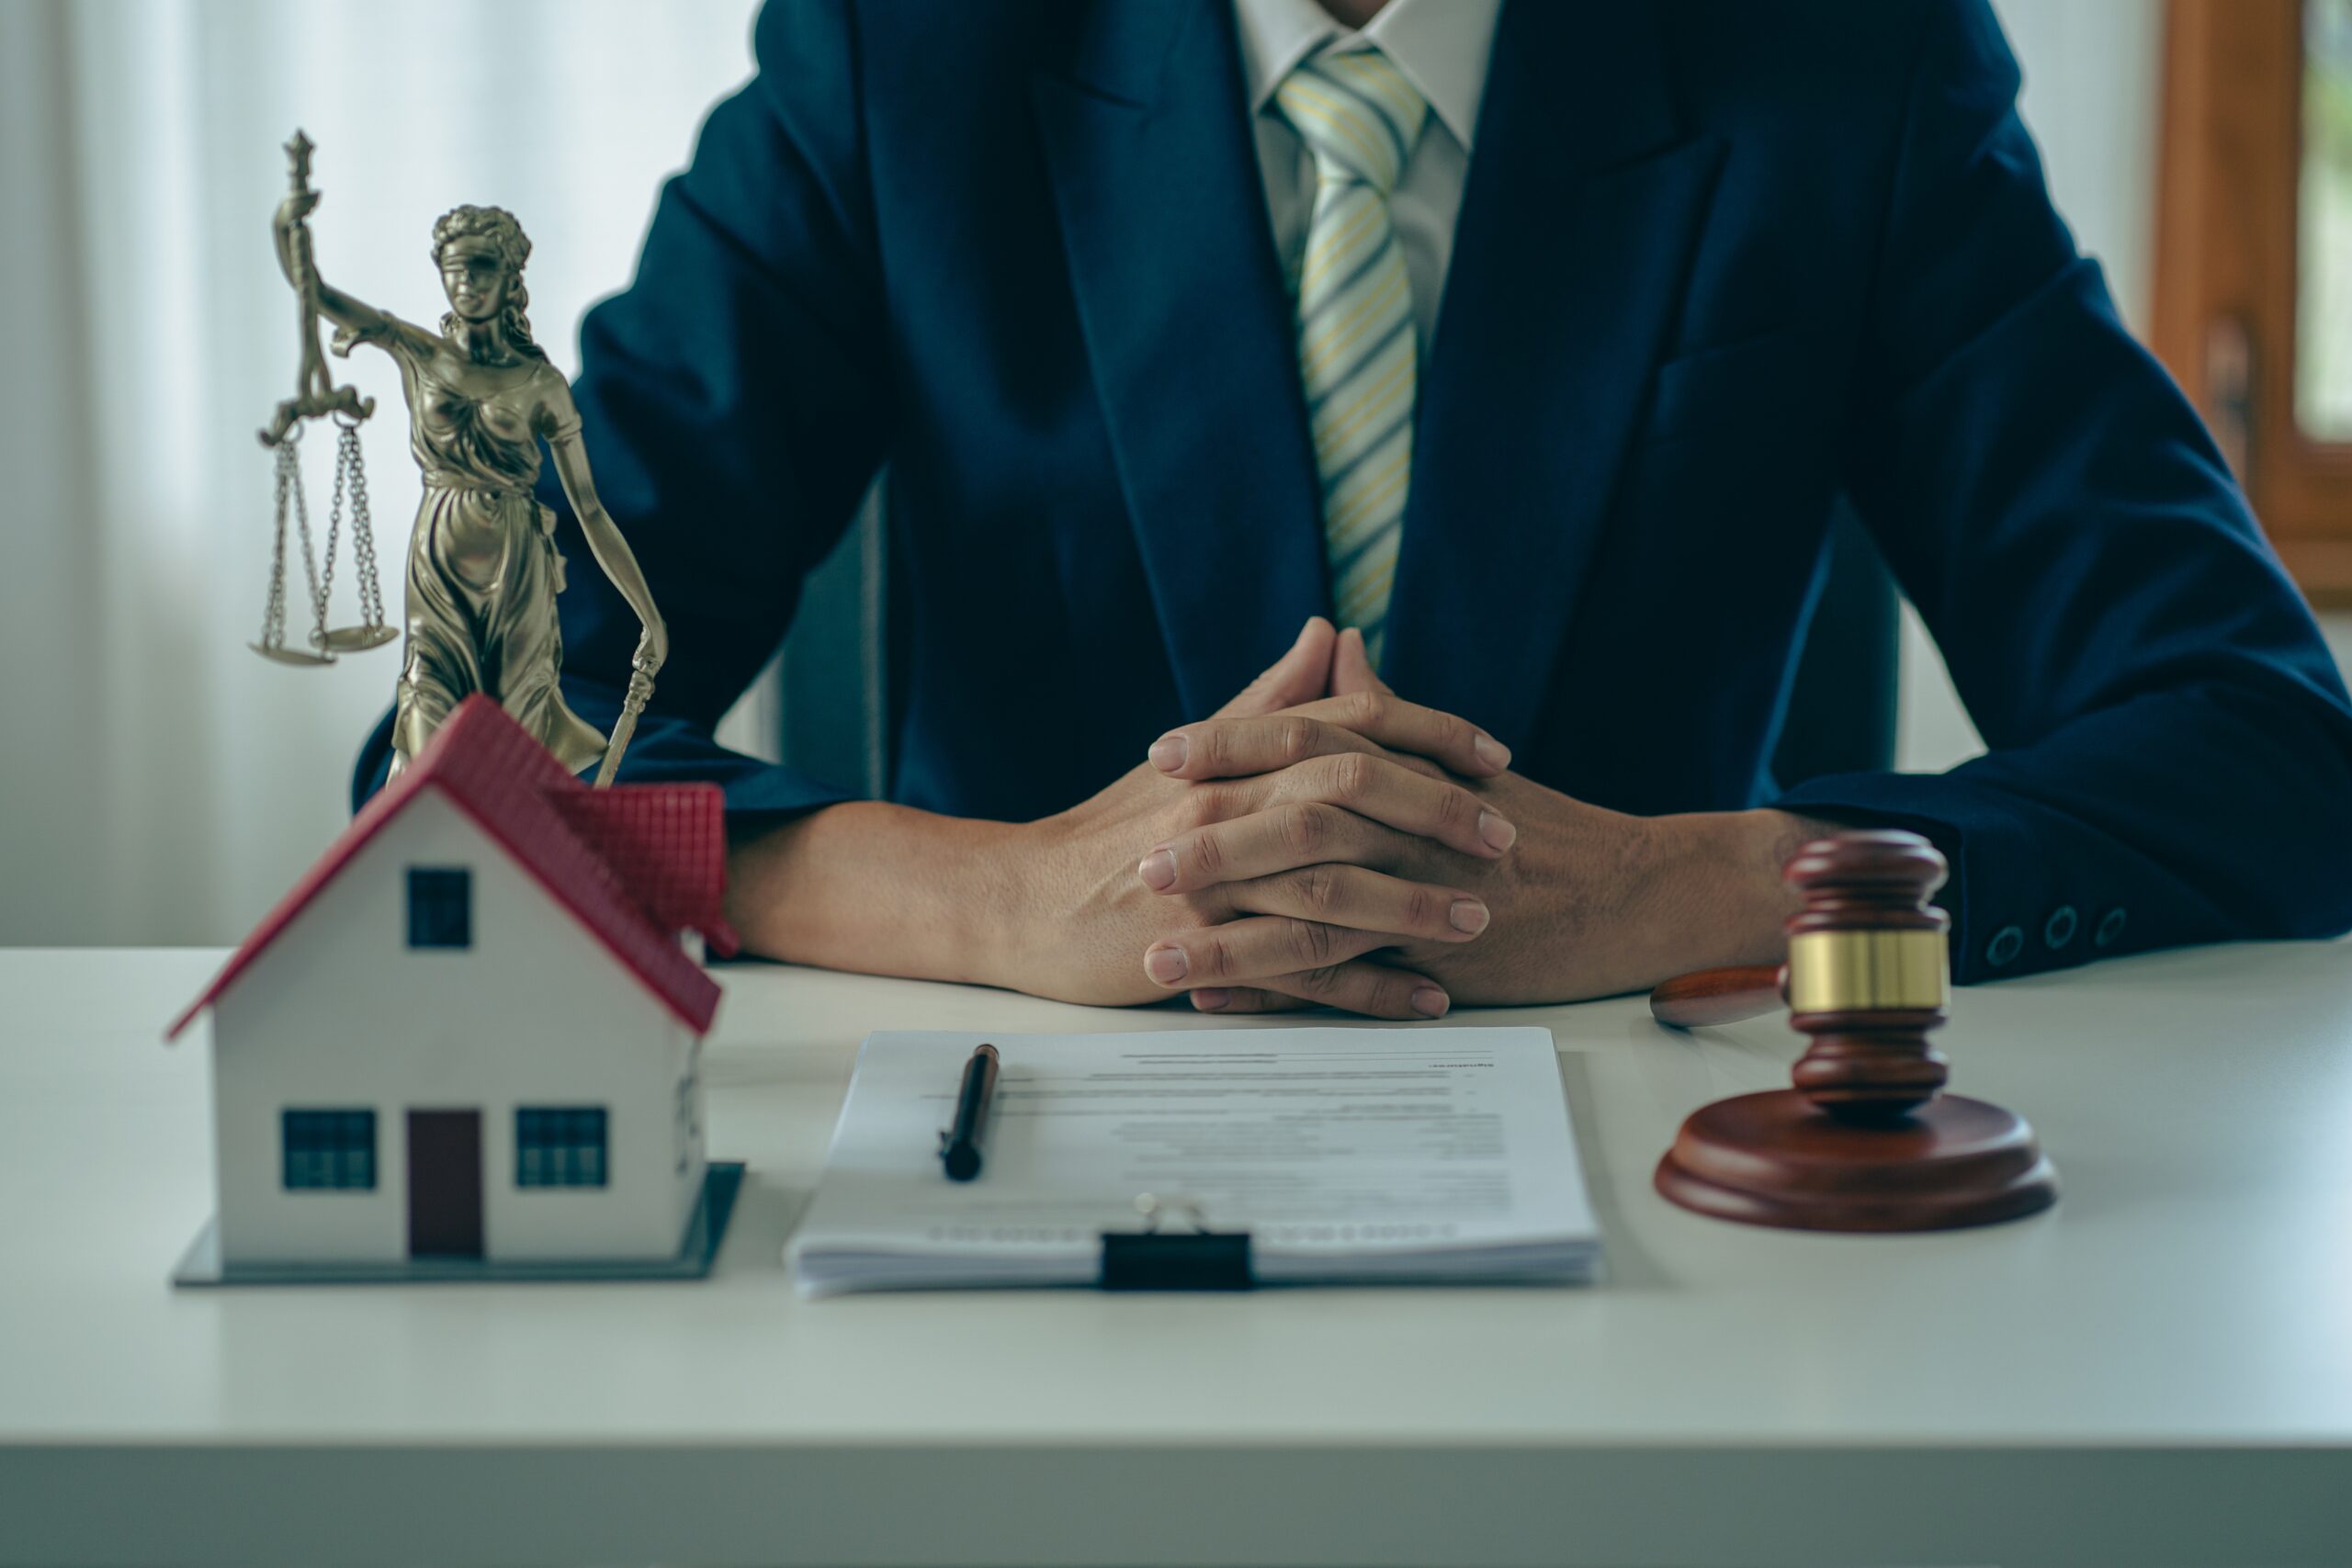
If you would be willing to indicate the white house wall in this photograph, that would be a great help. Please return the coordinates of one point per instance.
(341, 1013)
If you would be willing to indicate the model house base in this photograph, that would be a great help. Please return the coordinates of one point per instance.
(201, 1264)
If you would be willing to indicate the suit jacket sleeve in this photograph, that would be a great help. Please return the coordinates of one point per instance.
(2170, 744)
(734, 407)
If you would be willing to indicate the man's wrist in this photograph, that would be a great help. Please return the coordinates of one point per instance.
(1717, 895)
(877, 888)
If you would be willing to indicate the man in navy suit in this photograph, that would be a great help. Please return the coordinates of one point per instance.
(1531, 341)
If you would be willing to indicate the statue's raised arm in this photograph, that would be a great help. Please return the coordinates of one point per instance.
(315, 393)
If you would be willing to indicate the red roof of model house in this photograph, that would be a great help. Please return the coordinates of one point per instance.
(636, 865)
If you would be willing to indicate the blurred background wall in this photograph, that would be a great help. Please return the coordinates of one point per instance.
(163, 785)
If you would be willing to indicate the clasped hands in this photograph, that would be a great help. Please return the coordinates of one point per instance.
(1321, 840)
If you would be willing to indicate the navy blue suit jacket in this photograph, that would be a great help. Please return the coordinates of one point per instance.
(1715, 265)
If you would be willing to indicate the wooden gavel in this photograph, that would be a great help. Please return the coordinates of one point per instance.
(1865, 1139)
(1866, 974)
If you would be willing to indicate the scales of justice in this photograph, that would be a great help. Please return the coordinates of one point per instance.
(483, 570)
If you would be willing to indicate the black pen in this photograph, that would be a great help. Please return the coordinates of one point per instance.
(959, 1146)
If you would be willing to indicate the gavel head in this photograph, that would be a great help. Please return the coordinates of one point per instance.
(1868, 973)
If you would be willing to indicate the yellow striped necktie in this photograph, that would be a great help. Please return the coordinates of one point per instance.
(1357, 354)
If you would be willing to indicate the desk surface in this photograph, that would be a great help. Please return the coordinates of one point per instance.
(2158, 1372)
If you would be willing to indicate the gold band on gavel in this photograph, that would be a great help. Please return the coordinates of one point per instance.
(1867, 971)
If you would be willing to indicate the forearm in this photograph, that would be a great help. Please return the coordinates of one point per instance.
(1712, 894)
(877, 888)
(284, 235)
(1634, 900)
(354, 316)
(294, 259)
(612, 554)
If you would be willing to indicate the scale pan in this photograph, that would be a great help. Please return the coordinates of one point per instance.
(358, 639)
(292, 655)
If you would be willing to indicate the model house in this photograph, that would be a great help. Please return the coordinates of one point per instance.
(472, 1030)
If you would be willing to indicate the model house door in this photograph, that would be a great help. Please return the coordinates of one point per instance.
(444, 1183)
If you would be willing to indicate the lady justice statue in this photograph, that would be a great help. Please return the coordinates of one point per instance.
(483, 571)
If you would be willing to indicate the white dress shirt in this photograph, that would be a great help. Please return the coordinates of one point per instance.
(1441, 46)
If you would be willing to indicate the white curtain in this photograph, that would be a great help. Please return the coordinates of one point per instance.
(161, 784)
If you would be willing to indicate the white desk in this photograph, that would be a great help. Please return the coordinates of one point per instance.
(2158, 1372)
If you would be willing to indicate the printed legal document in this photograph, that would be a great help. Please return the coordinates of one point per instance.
(1349, 1155)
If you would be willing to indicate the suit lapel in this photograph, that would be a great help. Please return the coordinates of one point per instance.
(1188, 329)
(1570, 257)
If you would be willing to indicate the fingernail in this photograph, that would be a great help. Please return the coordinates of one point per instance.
(1500, 835)
(1165, 964)
(1157, 870)
(1429, 1001)
(1491, 752)
(1167, 752)
(1469, 915)
(1211, 1000)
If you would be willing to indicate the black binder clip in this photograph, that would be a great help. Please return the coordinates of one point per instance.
(1193, 1259)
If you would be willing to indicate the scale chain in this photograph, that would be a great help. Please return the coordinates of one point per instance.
(363, 534)
(310, 562)
(273, 616)
(334, 535)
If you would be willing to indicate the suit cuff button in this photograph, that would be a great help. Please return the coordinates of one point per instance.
(2003, 950)
(2111, 926)
(2059, 928)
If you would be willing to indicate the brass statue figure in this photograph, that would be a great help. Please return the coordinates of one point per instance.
(483, 571)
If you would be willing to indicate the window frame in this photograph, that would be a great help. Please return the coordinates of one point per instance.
(2228, 249)
(334, 1133)
(559, 1136)
(427, 890)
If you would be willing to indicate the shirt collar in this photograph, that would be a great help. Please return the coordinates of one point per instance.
(1439, 45)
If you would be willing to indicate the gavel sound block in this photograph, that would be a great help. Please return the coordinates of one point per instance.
(1866, 1140)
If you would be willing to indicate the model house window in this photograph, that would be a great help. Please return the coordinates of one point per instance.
(329, 1149)
(559, 1147)
(440, 906)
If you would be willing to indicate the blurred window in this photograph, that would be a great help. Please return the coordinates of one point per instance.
(2324, 304)
(2254, 260)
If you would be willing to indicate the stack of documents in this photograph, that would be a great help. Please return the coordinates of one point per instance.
(1349, 1154)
